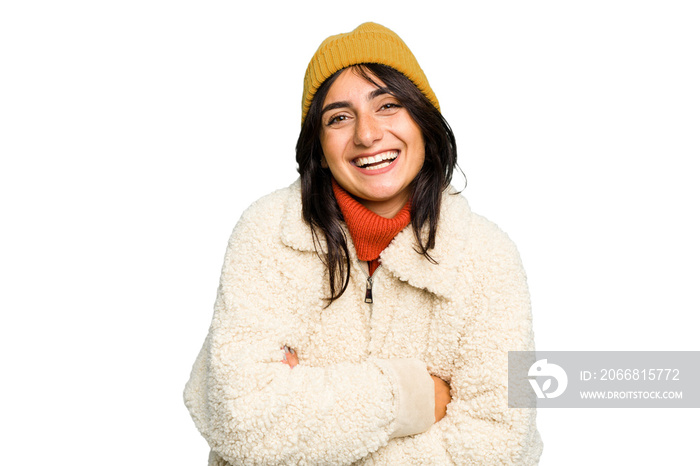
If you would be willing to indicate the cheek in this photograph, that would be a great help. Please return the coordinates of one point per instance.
(411, 133)
(325, 148)
(332, 147)
(326, 142)
(418, 143)
(419, 156)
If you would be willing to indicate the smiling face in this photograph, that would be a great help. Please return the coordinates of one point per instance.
(370, 143)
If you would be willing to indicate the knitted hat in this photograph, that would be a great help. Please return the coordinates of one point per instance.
(368, 43)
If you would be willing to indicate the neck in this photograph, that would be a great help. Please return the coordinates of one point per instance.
(386, 209)
(370, 232)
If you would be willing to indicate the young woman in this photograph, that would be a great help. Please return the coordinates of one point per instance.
(364, 313)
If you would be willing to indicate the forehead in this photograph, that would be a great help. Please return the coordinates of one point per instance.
(351, 86)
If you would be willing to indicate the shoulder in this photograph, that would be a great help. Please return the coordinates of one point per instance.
(271, 206)
(256, 247)
(458, 219)
(490, 238)
(264, 216)
(485, 243)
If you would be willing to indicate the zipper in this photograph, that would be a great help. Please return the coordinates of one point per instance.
(368, 291)
(369, 299)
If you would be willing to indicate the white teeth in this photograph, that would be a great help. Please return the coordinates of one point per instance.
(389, 155)
(377, 167)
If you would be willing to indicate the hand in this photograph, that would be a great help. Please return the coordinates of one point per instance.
(290, 357)
(442, 397)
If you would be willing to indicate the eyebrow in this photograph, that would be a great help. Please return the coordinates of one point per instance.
(344, 103)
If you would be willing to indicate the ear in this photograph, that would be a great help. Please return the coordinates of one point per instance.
(324, 164)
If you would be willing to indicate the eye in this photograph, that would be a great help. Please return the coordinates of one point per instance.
(335, 119)
(390, 106)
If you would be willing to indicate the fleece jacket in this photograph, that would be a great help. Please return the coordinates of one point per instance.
(362, 392)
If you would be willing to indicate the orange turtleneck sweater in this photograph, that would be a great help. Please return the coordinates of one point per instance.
(370, 233)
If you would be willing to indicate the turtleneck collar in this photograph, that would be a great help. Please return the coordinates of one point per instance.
(370, 233)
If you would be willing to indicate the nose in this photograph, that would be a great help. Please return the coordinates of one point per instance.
(367, 130)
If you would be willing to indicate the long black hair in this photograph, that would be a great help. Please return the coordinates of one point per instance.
(319, 207)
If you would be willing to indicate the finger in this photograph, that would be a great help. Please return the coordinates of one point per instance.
(289, 357)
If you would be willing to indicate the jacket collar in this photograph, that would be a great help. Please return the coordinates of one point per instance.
(400, 257)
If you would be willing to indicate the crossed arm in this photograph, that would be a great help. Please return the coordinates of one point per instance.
(442, 388)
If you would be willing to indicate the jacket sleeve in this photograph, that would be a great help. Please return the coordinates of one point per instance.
(480, 428)
(252, 409)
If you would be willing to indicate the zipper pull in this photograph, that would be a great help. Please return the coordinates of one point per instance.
(368, 292)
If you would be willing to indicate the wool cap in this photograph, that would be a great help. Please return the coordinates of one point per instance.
(368, 43)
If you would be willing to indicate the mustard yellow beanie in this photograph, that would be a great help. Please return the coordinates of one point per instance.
(368, 43)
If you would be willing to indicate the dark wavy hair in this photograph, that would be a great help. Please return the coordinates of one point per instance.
(319, 207)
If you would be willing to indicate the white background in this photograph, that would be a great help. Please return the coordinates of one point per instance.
(133, 134)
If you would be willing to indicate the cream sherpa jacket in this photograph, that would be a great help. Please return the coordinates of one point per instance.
(362, 392)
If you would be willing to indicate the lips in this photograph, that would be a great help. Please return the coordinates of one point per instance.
(376, 161)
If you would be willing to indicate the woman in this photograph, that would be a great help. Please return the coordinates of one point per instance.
(391, 305)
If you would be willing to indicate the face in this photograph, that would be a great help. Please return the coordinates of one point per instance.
(370, 143)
